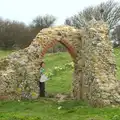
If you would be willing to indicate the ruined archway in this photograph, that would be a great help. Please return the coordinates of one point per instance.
(59, 66)
(48, 38)
(94, 77)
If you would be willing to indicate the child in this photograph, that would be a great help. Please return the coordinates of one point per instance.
(42, 80)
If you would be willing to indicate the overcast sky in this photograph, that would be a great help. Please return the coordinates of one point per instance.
(26, 10)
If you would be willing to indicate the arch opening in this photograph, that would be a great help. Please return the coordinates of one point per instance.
(65, 43)
(71, 51)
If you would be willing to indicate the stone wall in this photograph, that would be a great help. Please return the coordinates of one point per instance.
(100, 86)
(19, 72)
(94, 76)
(96, 68)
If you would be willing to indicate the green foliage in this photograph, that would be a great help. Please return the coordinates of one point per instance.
(58, 69)
(115, 117)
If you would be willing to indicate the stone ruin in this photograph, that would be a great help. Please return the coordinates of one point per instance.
(92, 53)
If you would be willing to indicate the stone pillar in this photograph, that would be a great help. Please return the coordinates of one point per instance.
(100, 85)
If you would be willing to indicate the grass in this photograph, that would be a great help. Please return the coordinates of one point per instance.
(47, 109)
(62, 81)
(4, 53)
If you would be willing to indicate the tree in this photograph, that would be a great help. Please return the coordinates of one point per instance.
(14, 34)
(5, 34)
(115, 35)
(108, 11)
(21, 34)
(41, 22)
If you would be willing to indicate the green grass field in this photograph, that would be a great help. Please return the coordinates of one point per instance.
(4, 53)
(47, 109)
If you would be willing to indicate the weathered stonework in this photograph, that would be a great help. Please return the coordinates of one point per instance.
(94, 76)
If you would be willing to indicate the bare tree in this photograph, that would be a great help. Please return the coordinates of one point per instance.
(116, 35)
(43, 21)
(14, 34)
(108, 11)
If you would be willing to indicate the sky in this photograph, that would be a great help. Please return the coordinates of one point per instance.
(26, 10)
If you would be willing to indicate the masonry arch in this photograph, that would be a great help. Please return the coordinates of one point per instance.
(94, 75)
(48, 38)
(70, 48)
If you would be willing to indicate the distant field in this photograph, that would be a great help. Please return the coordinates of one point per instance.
(48, 109)
(4, 53)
